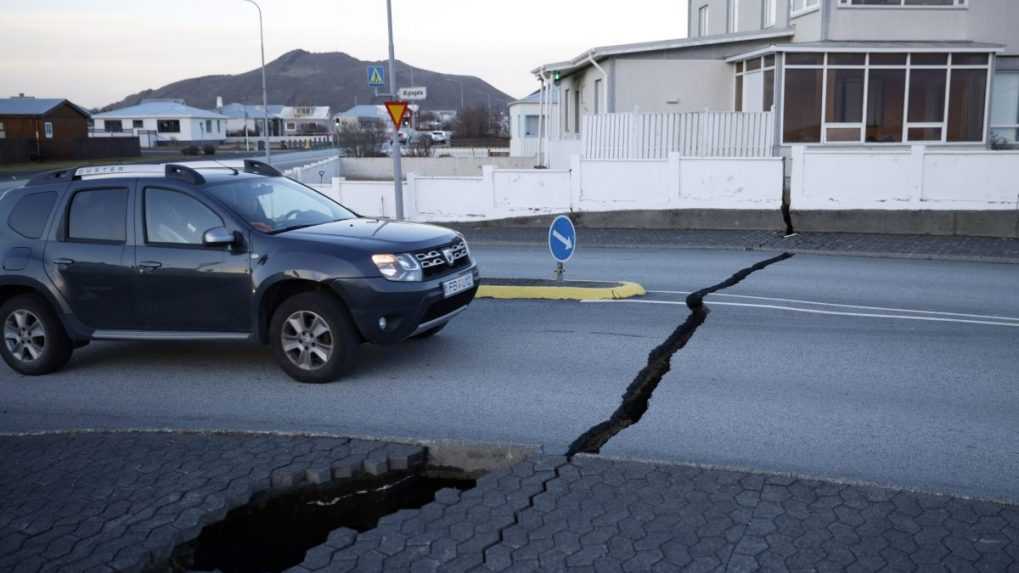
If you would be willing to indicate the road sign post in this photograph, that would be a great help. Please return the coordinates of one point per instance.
(413, 94)
(397, 168)
(376, 76)
(562, 243)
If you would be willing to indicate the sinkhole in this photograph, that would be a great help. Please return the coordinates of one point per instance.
(272, 534)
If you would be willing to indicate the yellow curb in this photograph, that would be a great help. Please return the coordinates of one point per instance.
(506, 292)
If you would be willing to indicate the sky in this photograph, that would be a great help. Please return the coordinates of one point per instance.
(95, 52)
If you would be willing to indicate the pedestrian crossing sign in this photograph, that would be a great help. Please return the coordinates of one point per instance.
(376, 76)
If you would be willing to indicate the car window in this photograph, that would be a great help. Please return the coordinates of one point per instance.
(171, 217)
(276, 204)
(29, 216)
(98, 215)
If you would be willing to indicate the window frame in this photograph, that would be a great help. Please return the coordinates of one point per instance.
(704, 21)
(809, 6)
(908, 66)
(770, 17)
(993, 126)
(145, 242)
(741, 71)
(902, 5)
(65, 231)
(161, 122)
(107, 127)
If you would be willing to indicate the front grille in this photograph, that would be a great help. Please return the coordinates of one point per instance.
(446, 306)
(445, 259)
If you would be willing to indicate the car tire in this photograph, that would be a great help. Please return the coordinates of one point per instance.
(430, 332)
(312, 338)
(34, 341)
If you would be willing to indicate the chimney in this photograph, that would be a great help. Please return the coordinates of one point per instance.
(219, 103)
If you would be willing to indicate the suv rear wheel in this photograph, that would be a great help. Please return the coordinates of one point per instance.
(313, 341)
(34, 341)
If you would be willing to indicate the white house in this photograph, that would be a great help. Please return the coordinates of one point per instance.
(306, 120)
(524, 117)
(169, 121)
(241, 117)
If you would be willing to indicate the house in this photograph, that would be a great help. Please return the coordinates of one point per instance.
(251, 118)
(306, 120)
(835, 72)
(524, 126)
(40, 128)
(171, 122)
(363, 115)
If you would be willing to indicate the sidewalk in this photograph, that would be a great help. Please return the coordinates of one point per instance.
(122, 501)
(852, 244)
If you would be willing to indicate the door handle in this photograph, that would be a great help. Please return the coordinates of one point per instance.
(146, 266)
(63, 261)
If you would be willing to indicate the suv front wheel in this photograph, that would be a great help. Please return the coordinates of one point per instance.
(34, 341)
(313, 340)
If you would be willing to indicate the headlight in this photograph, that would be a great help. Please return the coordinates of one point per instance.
(403, 267)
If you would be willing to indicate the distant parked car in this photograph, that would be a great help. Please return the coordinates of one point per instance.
(440, 137)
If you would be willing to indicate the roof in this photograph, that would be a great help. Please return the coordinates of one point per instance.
(240, 110)
(535, 97)
(32, 106)
(159, 109)
(366, 111)
(583, 60)
(863, 46)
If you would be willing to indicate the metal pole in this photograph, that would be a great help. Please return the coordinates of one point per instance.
(265, 93)
(397, 169)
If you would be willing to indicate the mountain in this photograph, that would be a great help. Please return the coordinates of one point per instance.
(331, 78)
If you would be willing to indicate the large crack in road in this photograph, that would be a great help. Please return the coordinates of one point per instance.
(638, 394)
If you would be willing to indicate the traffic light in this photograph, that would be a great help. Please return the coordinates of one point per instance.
(555, 77)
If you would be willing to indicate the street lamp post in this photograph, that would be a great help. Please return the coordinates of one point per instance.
(265, 93)
(397, 169)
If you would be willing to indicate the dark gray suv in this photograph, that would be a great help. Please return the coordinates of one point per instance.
(215, 251)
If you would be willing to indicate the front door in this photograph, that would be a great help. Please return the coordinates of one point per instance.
(183, 285)
(91, 261)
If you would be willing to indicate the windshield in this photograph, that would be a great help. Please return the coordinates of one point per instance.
(277, 204)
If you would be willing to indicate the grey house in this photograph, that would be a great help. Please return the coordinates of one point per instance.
(838, 72)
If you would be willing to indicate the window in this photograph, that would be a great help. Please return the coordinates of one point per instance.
(3, 132)
(770, 13)
(597, 96)
(138, 124)
(703, 13)
(734, 15)
(576, 110)
(277, 204)
(1005, 108)
(113, 126)
(291, 126)
(566, 110)
(755, 84)
(173, 218)
(98, 215)
(530, 126)
(889, 97)
(168, 126)
(28, 218)
(802, 116)
(208, 126)
(907, 3)
(47, 128)
(802, 6)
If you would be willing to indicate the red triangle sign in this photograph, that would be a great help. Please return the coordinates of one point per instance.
(397, 111)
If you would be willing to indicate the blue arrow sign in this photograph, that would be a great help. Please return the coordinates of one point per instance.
(562, 238)
(376, 76)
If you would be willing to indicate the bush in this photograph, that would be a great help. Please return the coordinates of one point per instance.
(190, 150)
(209, 150)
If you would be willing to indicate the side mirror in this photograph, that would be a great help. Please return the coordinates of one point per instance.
(218, 237)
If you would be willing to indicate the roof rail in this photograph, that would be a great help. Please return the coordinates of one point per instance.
(184, 173)
(58, 176)
(261, 168)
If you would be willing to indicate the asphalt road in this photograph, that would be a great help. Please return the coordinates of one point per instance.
(893, 371)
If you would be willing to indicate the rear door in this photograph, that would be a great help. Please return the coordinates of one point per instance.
(183, 285)
(90, 261)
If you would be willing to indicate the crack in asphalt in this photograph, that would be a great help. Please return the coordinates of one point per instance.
(636, 399)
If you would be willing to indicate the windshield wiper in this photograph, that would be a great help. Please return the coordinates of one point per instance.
(297, 227)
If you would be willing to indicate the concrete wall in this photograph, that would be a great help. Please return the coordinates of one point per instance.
(919, 190)
(380, 168)
(673, 85)
(675, 184)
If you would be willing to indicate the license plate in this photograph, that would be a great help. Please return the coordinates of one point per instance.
(457, 285)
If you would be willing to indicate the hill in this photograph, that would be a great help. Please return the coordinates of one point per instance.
(335, 79)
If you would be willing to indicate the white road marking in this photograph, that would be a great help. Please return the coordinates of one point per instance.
(861, 307)
(816, 311)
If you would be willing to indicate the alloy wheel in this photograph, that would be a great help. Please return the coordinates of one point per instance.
(307, 340)
(24, 335)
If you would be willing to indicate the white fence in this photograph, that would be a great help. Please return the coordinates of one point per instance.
(916, 179)
(695, 134)
(588, 185)
(317, 172)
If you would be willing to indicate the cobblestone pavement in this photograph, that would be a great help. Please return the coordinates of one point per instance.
(857, 244)
(122, 501)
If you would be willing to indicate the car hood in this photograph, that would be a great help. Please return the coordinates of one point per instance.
(376, 234)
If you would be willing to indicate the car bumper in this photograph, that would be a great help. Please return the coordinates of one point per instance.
(409, 308)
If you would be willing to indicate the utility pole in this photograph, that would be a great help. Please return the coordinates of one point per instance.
(397, 168)
(265, 93)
